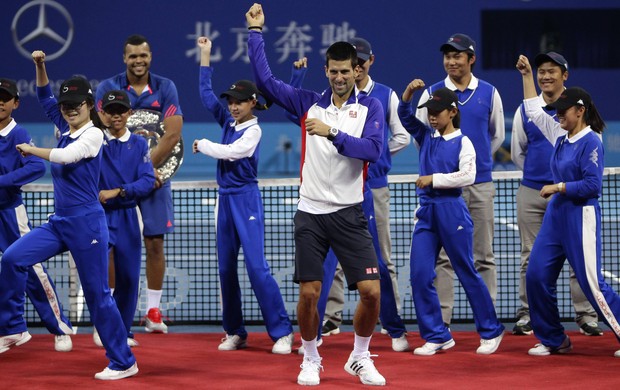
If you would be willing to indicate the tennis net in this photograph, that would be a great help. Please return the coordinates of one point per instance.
(191, 287)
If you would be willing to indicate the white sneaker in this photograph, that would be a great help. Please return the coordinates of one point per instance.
(63, 343)
(13, 340)
(284, 345)
(111, 375)
(96, 338)
(543, 350)
(302, 351)
(132, 342)
(364, 367)
(400, 344)
(429, 349)
(232, 343)
(384, 331)
(617, 354)
(309, 375)
(488, 346)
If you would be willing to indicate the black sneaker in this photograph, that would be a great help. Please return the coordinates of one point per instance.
(523, 328)
(591, 329)
(329, 328)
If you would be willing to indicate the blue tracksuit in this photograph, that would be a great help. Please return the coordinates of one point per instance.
(442, 220)
(16, 171)
(160, 95)
(78, 226)
(571, 229)
(126, 162)
(240, 223)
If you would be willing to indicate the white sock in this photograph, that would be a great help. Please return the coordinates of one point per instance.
(153, 298)
(310, 349)
(361, 345)
(111, 291)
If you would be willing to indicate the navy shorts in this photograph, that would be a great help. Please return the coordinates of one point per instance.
(346, 232)
(157, 211)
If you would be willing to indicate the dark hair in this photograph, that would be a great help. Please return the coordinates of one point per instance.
(594, 120)
(136, 40)
(94, 116)
(341, 51)
(456, 121)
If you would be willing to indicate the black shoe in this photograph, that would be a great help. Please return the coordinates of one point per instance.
(591, 329)
(522, 328)
(329, 328)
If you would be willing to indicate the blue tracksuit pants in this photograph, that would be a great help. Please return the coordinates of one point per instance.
(447, 224)
(240, 223)
(86, 236)
(126, 242)
(569, 231)
(40, 288)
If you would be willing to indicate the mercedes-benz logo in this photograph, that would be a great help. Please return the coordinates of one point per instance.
(43, 29)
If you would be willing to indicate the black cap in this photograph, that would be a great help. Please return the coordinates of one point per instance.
(573, 96)
(362, 47)
(9, 86)
(551, 57)
(241, 90)
(75, 90)
(460, 42)
(117, 97)
(440, 100)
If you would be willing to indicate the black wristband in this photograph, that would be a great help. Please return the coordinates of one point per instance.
(255, 28)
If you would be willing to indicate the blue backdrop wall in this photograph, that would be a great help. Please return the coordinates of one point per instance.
(86, 37)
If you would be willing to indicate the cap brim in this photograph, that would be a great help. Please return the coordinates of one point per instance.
(448, 46)
(115, 103)
(73, 98)
(559, 105)
(363, 56)
(434, 105)
(235, 95)
(12, 93)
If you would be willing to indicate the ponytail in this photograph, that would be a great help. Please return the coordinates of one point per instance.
(593, 119)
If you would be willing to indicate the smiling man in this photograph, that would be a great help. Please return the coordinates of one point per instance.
(482, 121)
(342, 132)
(531, 152)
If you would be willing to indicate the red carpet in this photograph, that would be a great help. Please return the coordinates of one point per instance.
(192, 361)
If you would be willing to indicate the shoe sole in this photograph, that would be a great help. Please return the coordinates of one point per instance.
(127, 374)
(590, 334)
(521, 332)
(21, 341)
(446, 346)
(308, 383)
(240, 346)
(150, 330)
(352, 372)
(560, 351)
(331, 332)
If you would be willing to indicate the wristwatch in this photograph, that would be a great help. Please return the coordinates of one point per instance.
(122, 193)
(333, 132)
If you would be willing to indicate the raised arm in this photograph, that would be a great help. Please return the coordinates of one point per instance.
(46, 98)
(550, 128)
(410, 122)
(208, 97)
(296, 101)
